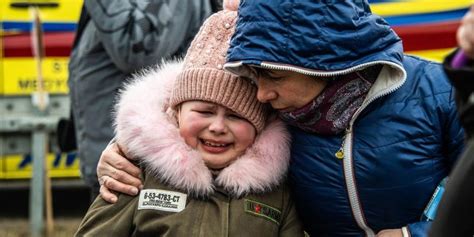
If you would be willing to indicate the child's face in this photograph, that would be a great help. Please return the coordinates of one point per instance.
(219, 134)
(285, 90)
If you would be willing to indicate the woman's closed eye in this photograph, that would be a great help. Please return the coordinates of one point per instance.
(275, 76)
(276, 79)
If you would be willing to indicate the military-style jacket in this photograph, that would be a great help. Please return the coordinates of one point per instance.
(155, 212)
(181, 196)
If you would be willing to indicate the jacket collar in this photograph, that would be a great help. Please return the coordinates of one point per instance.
(391, 77)
(148, 128)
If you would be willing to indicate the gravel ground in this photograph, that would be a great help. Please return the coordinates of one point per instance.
(19, 227)
(69, 204)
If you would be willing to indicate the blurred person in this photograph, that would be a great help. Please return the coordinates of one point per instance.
(211, 166)
(114, 40)
(455, 215)
(465, 34)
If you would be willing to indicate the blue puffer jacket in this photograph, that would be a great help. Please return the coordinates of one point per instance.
(401, 142)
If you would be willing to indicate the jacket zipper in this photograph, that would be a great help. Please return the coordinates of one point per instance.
(351, 185)
(346, 149)
(274, 66)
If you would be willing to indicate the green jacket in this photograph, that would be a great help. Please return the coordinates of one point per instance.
(271, 214)
(181, 197)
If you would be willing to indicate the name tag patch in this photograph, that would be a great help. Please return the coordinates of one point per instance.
(262, 210)
(162, 200)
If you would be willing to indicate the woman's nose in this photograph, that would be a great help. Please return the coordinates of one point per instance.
(265, 92)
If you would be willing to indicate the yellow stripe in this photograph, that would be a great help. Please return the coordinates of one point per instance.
(10, 167)
(436, 55)
(418, 6)
(20, 78)
(68, 11)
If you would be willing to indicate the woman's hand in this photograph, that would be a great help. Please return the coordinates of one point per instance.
(117, 174)
(465, 33)
(390, 233)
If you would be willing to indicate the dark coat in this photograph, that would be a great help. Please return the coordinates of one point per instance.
(455, 216)
(399, 145)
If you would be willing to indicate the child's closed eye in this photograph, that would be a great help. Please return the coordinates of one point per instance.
(204, 112)
(235, 116)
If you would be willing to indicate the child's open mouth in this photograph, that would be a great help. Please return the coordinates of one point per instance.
(215, 147)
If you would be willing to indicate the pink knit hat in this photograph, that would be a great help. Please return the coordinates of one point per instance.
(203, 77)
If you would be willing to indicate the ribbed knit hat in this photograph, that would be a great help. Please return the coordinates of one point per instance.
(203, 77)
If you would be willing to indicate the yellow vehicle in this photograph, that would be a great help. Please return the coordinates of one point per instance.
(427, 28)
(18, 80)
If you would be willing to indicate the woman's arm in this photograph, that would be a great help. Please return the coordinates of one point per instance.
(117, 174)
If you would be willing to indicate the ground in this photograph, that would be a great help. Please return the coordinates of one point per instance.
(69, 205)
(19, 227)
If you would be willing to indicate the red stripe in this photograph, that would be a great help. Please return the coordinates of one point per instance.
(428, 36)
(415, 37)
(56, 44)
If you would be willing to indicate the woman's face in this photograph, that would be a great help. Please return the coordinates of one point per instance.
(285, 90)
(219, 134)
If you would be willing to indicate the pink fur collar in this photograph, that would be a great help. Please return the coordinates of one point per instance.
(144, 125)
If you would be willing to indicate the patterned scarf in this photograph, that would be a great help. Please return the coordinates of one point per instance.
(331, 111)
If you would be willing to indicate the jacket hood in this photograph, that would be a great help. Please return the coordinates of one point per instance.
(320, 38)
(146, 124)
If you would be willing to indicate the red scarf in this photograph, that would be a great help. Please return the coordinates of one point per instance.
(331, 111)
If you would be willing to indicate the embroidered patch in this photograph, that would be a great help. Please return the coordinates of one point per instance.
(162, 200)
(263, 210)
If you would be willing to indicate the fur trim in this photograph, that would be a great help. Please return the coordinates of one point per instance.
(144, 125)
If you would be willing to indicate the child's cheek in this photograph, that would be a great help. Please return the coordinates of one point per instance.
(190, 130)
(245, 135)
